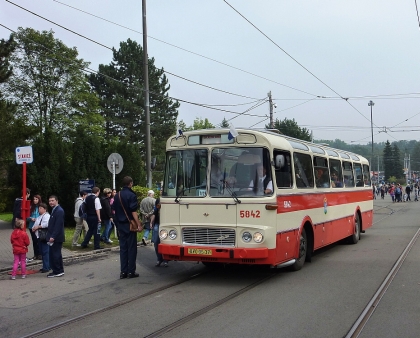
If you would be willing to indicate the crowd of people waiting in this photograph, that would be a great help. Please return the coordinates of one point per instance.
(397, 192)
(47, 230)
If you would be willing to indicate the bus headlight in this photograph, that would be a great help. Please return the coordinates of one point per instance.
(246, 237)
(163, 234)
(258, 237)
(172, 234)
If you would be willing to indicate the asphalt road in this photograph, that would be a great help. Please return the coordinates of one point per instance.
(323, 299)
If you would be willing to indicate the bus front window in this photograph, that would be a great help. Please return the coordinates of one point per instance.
(185, 173)
(244, 171)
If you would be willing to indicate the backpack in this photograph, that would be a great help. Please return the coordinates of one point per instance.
(82, 210)
(398, 190)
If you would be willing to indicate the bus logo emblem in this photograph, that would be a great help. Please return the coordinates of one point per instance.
(287, 204)
(223, 237)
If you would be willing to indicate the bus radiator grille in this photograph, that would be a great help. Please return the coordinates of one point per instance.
(209, 236)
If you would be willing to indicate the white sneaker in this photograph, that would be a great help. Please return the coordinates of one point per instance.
(13, 277)
(23, 276)
(77, 244)
(109, 241)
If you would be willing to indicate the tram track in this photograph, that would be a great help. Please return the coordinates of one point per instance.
(112, 306)
(370, 308)
(167, 328)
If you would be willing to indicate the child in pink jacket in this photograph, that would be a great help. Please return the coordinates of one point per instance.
(20, 243)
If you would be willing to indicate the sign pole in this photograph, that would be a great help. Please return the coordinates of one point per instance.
(23, 206)
(113, 175)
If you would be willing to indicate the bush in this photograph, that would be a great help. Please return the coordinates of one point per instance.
(141, 192)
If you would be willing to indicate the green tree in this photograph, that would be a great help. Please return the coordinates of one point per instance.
(121, 95)
(49, 85)
(415, 158)
(388, 160)
(199, 123)
(14, 130)
(182, 125)
(397, 169)
(291, 128)
(224, 124)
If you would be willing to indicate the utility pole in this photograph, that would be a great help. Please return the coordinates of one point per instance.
(146, 100)
(270, 101)
(371, 104)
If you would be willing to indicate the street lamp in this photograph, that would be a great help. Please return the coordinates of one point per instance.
(371, 104)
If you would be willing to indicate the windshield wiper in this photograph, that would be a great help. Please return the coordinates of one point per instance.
(230, 191)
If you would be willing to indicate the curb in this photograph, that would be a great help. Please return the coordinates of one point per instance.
(71, 258)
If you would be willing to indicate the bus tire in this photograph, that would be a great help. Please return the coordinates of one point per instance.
(303, 249)
(353, 239)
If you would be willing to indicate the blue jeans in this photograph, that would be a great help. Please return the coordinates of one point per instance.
(44, 248)
(107, 229)
(147, 230)
(92, 221)
(156, 241)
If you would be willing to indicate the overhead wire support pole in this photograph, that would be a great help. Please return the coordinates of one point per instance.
(270, 101)
(146, 100)
(371, 104)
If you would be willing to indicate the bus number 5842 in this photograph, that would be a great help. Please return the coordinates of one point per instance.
(249, 214)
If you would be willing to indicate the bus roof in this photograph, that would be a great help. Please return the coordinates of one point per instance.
(279, 140)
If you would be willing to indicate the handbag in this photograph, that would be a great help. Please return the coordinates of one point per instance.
(42, 234)
(133, 224)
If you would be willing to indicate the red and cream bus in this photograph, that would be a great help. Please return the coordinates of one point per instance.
(260, 198)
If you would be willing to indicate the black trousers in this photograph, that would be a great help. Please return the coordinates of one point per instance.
(56, 259)
(35, 243)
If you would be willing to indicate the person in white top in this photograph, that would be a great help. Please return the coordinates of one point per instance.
(81, 224)
(42, 222)
(264, 184)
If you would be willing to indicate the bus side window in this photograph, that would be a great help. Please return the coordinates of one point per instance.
(303, 170)
(336, 173)
(359, 175)
(366, 175)
(348, 174)
(283, 169)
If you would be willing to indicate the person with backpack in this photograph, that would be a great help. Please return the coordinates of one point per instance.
(106, 215)
(93, 219)
(398, 193)
(408, 192)
(81, 225)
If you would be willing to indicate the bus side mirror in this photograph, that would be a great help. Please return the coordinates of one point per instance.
(280, 161)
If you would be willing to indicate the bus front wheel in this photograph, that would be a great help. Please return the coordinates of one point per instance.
(303, 249)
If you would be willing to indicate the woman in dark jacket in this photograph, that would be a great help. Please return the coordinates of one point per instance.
(106, 216)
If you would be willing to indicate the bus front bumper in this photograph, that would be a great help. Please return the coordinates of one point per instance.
(217, 254)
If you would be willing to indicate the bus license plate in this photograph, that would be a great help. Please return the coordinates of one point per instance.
(199, 252)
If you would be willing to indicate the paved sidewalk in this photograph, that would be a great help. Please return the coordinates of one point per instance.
(6, 253)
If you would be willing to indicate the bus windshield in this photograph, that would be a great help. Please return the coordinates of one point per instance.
(185, 173)
(243, 171)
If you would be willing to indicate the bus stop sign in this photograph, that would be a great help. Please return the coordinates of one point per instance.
(24, 154)
(86, 185)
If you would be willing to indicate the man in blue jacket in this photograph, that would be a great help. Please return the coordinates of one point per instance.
(125, 206)
(56, 237)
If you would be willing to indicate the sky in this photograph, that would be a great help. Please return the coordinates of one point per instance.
(322, 61)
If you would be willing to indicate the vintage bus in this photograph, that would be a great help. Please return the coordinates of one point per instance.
(259, 198)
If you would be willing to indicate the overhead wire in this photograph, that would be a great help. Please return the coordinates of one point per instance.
(283, 111)
(417, 10)
(290, 56)
(102, 45)
(185, 50)
(89, 70)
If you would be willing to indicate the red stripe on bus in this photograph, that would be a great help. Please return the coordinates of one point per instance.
(290, 203)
